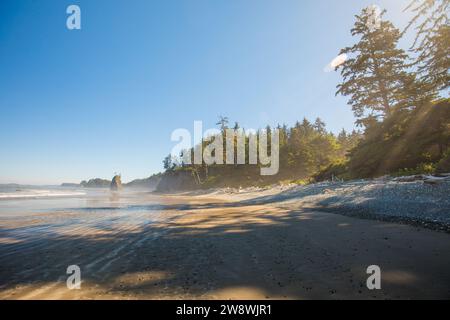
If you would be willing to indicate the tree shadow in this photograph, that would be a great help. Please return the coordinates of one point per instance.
(215, 250)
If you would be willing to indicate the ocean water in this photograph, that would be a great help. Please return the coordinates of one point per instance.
(33, 192)
(36, 213)
(43, 230)
(19, 200)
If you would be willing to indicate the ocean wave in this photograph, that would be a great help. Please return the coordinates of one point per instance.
(38, 193)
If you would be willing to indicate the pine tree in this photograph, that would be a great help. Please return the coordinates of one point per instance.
(375, 74)
(431, 41)
(429, 16)
(319, 125)
(167, 163)
(434, 59)
(223, 123)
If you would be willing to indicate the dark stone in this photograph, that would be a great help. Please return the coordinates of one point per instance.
(116, 183)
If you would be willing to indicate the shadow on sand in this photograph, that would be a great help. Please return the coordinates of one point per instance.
(224, 250)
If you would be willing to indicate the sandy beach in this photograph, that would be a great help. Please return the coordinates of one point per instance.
(213, 246)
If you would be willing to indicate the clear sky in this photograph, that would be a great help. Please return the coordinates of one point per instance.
(87, 103)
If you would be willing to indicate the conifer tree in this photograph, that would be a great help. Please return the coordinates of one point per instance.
(375, 73)
(432, 40)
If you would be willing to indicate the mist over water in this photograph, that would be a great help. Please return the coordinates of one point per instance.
(36, 200)
(24, 192)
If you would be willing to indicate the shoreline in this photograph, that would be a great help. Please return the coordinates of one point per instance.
(409, 201)
(219, 244)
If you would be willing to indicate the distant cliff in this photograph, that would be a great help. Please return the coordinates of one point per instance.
(70, 185)
(95, 183)
(149, 183)
(177, 181)
(92, 183)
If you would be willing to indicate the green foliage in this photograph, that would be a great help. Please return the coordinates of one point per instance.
(168, 163)
(305, 149)
(431, 43)
(336, 170)
(434, 62)
(405, 132)
(210, 181)
(443, 166)
(96, 183)
(301, 182)
(423, 168)
(375, 73)
(407, 128)
(406, 139)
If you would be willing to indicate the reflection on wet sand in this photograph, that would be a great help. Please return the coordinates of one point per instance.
(144, 246)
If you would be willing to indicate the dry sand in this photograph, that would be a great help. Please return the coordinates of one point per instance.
(216, 247)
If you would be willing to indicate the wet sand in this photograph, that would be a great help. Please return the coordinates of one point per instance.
(146, 246)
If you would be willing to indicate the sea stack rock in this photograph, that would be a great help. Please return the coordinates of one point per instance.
(116, 183)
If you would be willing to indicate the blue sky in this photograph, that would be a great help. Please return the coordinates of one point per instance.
(87, 103)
